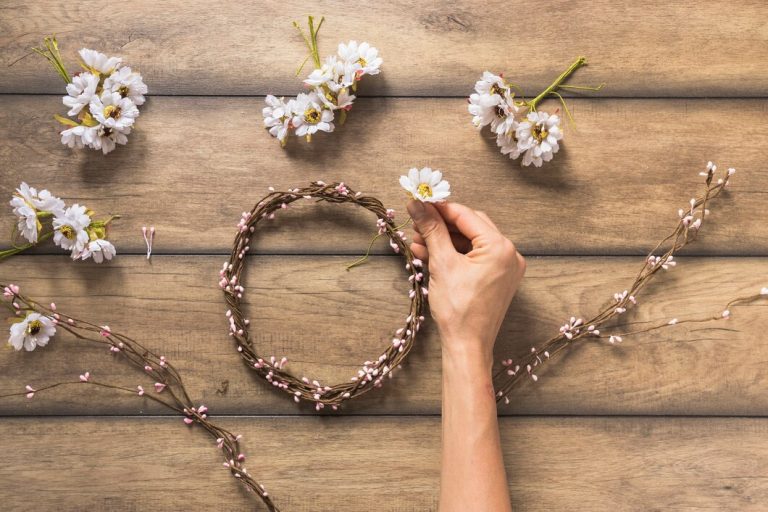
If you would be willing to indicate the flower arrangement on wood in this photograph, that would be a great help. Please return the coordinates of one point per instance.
(72, 228)
(103, 99)
(331, 85)
(521, 129)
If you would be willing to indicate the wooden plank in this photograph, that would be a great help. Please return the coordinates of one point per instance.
(589, 464)
(638, 49)
(328, 321)
(195, 163)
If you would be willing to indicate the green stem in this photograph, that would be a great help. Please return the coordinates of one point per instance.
(581, 61)
(16, 250)
(53, 55)
(367, 254)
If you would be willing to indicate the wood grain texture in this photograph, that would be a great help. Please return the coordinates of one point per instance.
(654, 48)
(328, 321)
(194, 164)
(580, 464)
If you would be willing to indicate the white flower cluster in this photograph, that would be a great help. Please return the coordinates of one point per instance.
(519, 128)
(104, 99)
(331, 84)
(72, 228)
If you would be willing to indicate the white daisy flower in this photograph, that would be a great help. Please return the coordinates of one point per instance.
(328, 72)
(73, 137)
(80, 91)
(34, 331)
(365, 58)
(127, 84)
(100, 62)
(310, 116)
(100, 249)
(105, 139)
(507, 141)
(537, 137)
(426, 185)
(27, 203)
(47, 202)
(342, 99)
(28, 224)
(277, 116)
(70, 229)
(483, 108)
(491, 84)
(113, 111)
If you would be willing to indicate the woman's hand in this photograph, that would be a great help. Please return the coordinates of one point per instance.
(474, 273)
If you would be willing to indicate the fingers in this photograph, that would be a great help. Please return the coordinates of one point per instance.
(420, 251)
(459, 241)
(430, 224)
(467, 221)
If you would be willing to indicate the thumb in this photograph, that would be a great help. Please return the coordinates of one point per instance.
(430, 224)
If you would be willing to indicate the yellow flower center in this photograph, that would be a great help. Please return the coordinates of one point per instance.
(67, 231)
(34, 327)
(362, 62)
(539, 133)
(425, 190)
(112, 111)
(123, 90)
(312, 116)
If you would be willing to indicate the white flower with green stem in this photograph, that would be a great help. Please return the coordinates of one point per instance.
(536, 135)
(103, 98)
(332, 83)
(73, 229)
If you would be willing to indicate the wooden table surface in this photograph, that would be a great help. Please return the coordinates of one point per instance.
(668, 421)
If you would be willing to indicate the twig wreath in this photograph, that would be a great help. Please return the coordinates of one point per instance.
(372, 372)
(35, 324)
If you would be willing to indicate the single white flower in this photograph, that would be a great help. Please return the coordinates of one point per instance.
(328, 72)
(47, 202)
(491, 84)
(99, 62)
(80, 92)
(34, 331)
(73, 137)
(27, 203)
(127, 84)
(113, 111)
(483, 108)
(100, 249)
(70, 229)
(105, 139)
(426, 185)
(537, 137)
(310, 115)
(277, 116)
(28, 224)
(507, 143)
(342, 99)
(364, 58)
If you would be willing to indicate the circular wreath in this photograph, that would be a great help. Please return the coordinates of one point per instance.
(372, 372)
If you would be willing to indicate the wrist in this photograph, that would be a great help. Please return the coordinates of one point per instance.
(466, 364)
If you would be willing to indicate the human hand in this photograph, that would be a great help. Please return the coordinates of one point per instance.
(474, 273)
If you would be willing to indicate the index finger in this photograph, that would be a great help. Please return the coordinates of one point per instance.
(466, 220)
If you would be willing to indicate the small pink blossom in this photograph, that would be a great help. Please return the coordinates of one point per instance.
(30, 391)
(140, 390)
(159, 387)
(85, 377)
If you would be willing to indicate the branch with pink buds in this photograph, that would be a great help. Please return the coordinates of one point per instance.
(165, 383)
(661, 258)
